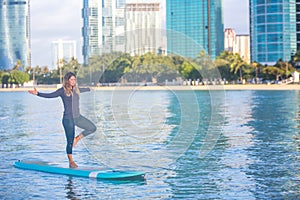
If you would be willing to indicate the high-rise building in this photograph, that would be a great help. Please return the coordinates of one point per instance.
(193, 26)
(143, 29)
(229, 39)
(272, 30)
(237, 43)
(63, 50)
(298, 23)
(14, 33)
(103, 27)
(242, 46)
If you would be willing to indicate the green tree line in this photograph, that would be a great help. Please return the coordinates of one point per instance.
(122, 67)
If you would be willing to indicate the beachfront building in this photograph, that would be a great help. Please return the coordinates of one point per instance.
(14, 33)
(63, 51)
(272, 30)
(242, 46)
(237, 43)
(193, 26)
(229, 39)
(143, 29)
(103, 27)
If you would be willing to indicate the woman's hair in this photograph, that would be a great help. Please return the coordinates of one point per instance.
(67, 89)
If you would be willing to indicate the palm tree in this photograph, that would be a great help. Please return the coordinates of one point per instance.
(286, 68)
(36, 71)
(296, 59)
(273, 72)
(73, 65)
(256, 66)
(45, 71)
(17, 65)
(29, 70)
(237, 64)
(205, 66)
(222, 63)
(280, 70)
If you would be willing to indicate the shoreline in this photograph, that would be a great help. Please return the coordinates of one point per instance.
(153, 88)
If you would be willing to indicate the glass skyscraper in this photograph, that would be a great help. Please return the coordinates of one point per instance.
(298, 23)
(272, 30)
(103, 27)
(193, 26)
(14, 33)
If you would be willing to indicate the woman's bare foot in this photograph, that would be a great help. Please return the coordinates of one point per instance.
(76, 139)
(73, 165)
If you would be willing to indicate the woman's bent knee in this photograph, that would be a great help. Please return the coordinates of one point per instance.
(89, 131)
(94, 129)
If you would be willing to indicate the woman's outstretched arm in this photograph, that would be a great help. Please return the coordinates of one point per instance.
(54, 94)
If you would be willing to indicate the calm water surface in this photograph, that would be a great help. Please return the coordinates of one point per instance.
(192, 145)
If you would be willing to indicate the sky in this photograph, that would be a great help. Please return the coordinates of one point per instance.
(61, 19)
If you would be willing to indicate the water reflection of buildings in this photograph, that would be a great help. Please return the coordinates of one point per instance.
(296, 136)
(239, 114)
(134, 129)
(238, 138)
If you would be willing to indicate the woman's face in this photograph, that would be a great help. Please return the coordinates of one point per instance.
(72, 81)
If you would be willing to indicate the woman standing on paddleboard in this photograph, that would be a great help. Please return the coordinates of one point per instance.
(69, 94)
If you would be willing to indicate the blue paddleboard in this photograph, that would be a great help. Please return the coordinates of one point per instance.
(98, 174)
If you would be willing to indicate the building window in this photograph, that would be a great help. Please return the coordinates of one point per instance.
(274, 8)
(120, 21)
(120, 3)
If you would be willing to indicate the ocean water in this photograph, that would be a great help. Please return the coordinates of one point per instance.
(191, 144)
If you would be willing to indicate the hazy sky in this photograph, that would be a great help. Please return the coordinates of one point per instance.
(61, 19)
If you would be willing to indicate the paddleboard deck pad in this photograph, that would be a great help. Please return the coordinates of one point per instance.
(89, 173)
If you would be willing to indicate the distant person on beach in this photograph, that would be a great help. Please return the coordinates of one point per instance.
(69, 94)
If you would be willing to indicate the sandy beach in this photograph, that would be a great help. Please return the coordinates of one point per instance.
(153, 88)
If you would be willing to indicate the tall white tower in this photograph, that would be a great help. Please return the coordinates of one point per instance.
(143, 29)
(63, 50)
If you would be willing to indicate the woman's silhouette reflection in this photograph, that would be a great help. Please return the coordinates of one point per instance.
(69, 188)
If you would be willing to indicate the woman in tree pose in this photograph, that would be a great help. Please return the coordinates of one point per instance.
(69, 94)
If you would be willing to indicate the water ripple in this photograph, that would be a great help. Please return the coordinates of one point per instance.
(254, 153)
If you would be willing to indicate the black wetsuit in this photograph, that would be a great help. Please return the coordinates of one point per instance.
(71, 115)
